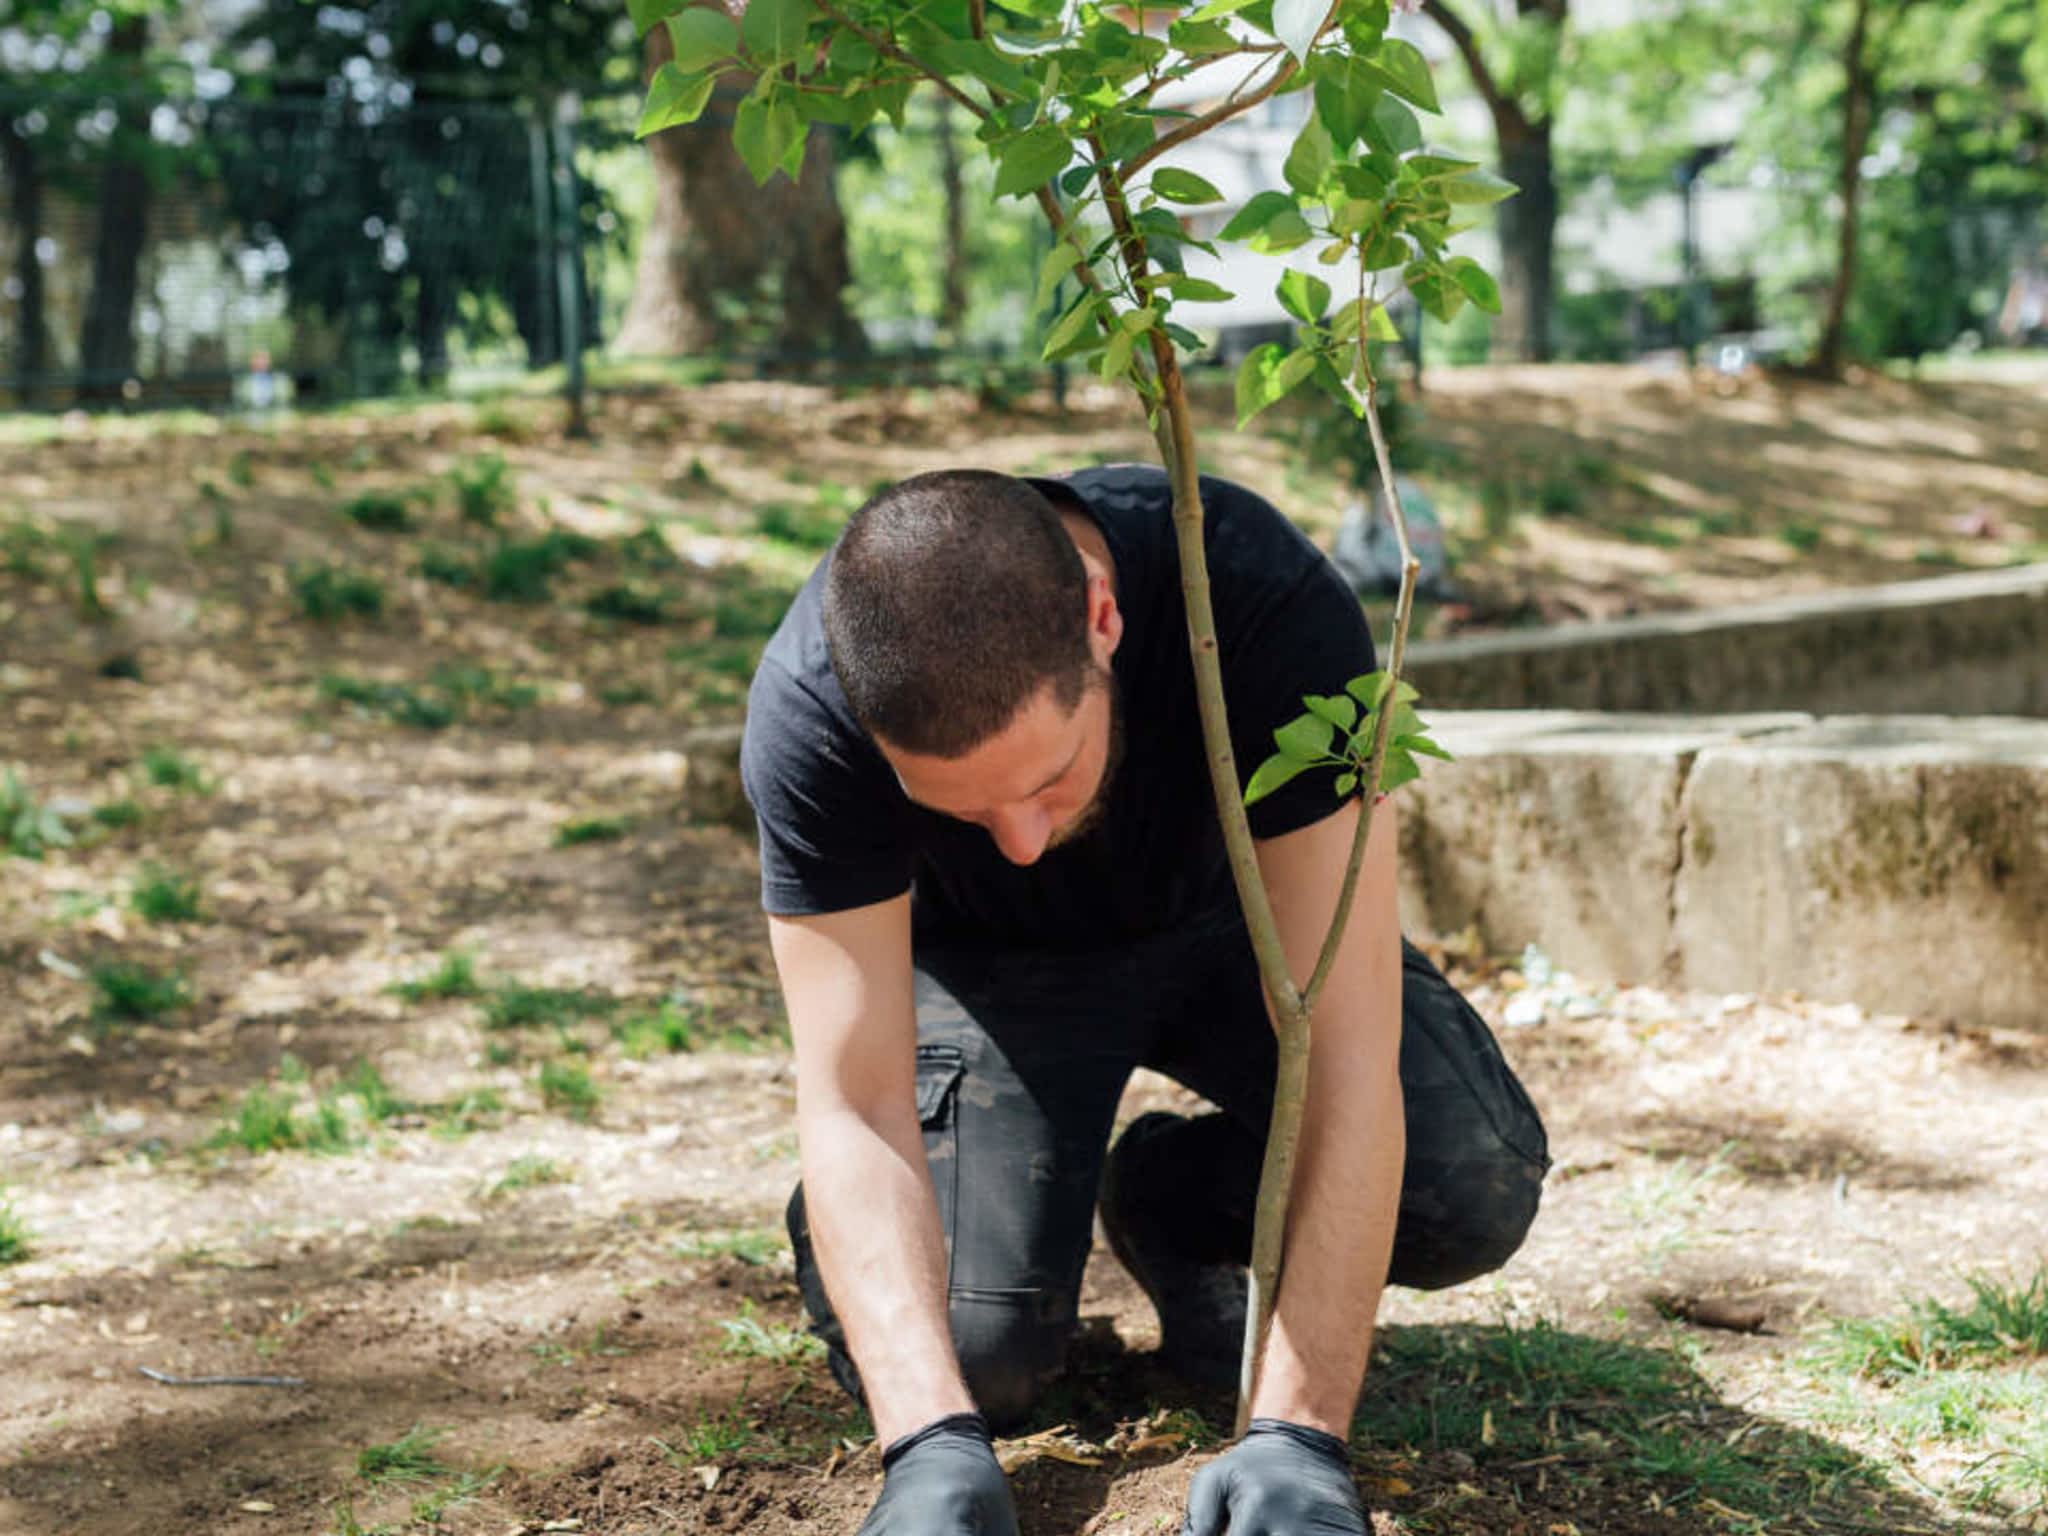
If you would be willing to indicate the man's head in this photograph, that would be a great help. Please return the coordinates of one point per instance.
(973, 642)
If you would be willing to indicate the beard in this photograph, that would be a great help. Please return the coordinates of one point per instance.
(1091, 814)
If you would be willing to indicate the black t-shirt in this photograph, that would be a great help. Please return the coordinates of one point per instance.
(837, 831)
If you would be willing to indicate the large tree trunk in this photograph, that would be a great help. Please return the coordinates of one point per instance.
(714, 236)
(1856, 115)
(25, 212)
(107, 341)
(953, 278)
(1528, 241)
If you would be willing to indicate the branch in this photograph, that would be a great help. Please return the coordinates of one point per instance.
(1505, 109)
(1230, 108)
(882, 45)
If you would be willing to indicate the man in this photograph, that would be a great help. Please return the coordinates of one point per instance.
(996, 886)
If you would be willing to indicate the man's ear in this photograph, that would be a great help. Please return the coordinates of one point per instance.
(1105, 620)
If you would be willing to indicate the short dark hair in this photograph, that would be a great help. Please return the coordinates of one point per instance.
(952, 599)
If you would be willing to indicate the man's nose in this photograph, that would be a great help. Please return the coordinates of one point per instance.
(1021, 834)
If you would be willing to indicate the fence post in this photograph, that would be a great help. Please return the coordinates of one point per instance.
(546, 330)
(568, 254)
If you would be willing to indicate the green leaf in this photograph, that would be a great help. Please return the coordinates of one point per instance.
(765, 133)
(1056, 268)
(774, 29)
(646, 13)
(1423, 744)
(1478, 284)
(1283, 234)
(1309, 161)
(1398, 769)
(1347, 90)
(1184, 338)
(1299, 365)
(1384, 250)
(1217, 8)
(673, 98)
(1434, 289)
(1339, 709)
(1407, 73)
(1254, 380)
(1178, 186)
(1479, 187)
(1303, 296)
(1032, 159)
(702, 37)
(1296, 22)
(1116, 357)
(1068, 331)
(986, 63)
(1381, 326)
(1368, 689)
(1198, 39)
(1195, 290)
(1346, 783)
(1255, 215)
(1272, 773)
(1135, 321)
(1074, 182)
(1393, 128)
(1304, 739)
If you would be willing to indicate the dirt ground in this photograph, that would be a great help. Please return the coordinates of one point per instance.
(605, 1342)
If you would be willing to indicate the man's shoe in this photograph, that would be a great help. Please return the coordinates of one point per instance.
(1201, 1306)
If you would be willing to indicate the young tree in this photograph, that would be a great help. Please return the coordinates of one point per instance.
(1064, 96)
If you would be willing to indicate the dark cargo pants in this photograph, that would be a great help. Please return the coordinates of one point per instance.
(1022, 1058)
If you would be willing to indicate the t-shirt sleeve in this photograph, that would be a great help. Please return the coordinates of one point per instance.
(1287, 625)
(827, 806)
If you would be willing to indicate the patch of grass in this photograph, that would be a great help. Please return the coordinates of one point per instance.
(29, 827)
(454, 976)
(514, 1005)
(806, 527)
(1559, 496)
(592, 829)
(2003, 1321)
(483, 489)
(624, 695)
(15, 1246)
(446, 567)
(498, 420)
(566, 1086)
(322, 475)
(752, 1339)
(628, 604)
(748, 613)
(133, 992)
(1654, 534)
(751, 1247)
(367, 1084)
(523, 571)
(648, 550)
(469, 687)
(1496, 509)
(477, 1110)
(83, 547)
(1801, 534)
(709, 1439)
(164, 896)
(329, 592)
(449, 696)
(242, 468)
(168, 768)
(428, 1508)
(668, 1029)
(117, 814)
(264, 1120)
(529, 1171)
(380, 511)
(408, 1459)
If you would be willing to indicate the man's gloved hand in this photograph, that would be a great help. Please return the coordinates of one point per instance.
(1281, 1479)
(943, 1481)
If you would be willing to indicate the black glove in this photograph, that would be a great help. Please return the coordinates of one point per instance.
(1281, 1479)
(943, 1481)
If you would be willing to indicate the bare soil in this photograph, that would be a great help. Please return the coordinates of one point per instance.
(1781, 1161)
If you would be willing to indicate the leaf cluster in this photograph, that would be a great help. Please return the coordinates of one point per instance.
(1338, 731)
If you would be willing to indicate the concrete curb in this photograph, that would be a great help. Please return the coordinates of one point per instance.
(1969, 644)
(1900, 862)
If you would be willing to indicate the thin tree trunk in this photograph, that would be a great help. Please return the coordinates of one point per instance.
(107, 342)
(953, 278)
(724, 263)
(1528, 240)
(1856, 116)
(25, 211)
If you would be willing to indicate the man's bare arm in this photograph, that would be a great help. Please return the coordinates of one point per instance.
(846, 978)
(1347, 1182)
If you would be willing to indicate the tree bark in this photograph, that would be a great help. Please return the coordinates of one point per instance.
(25, 212)
(953, 278)
(107, 341)
(1527, 222)
(1856, 116)
(725, 264)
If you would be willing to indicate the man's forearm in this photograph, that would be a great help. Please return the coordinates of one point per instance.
(875, 1228)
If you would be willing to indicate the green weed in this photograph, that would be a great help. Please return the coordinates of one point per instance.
(514, 1005)
(747, 1336)
(753, 1248)
(648, 550)
(1496, 509)
(367, 1084)
(1559, 497)
(29, 827)
(624, 695)
(328, 592)
(133, 992)
(477, 1110)
(566, 1086)
(15, 1246)
(168, 768)
(117, 813)
(379, 511)
(454, 976)
(446, 567)
(469, 687)
(164, 896)
(428, 1508)
(242, 468)
(668, 1029)
(591, 829)
(529, 1171)
(524, 571)
(322, 475)
(1802, 535)
(262, 1121)
(628, 604)
(709, 1439)
(483, 489)
(408, 1459)
(2003, 1321)
(1654, 534)
(805, 527)
(83, 547)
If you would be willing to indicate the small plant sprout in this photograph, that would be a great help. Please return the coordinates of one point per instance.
(454, 976)
(408, 1459)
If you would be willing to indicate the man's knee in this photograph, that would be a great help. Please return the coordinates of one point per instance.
(1012, 1345)
(1463, 1220)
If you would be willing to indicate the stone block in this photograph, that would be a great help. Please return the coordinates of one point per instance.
(1898, 861)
